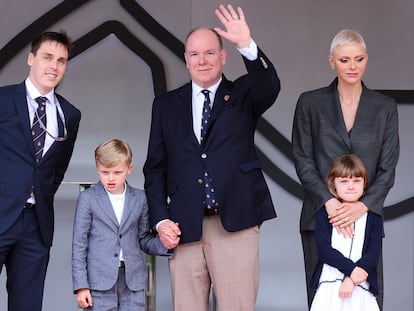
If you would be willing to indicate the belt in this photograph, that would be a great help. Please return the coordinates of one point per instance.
(29, 205)
(121, 264)
(211, 211)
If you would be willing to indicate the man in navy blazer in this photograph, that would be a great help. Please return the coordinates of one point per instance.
(27, 185)
(213, 238)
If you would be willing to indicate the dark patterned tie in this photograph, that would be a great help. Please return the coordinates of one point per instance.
(39, 127)
(209, 200)
(206, 114)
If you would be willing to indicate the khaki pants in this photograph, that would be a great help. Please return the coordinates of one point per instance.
(227, 260)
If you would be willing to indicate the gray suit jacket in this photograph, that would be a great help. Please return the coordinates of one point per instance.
(98, 238)
(319, 136)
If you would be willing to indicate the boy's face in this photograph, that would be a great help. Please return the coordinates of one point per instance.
(113, 178)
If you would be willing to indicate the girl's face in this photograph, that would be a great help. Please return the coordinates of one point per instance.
(349, 189)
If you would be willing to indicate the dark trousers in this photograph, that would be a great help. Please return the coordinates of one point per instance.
(310, 255)
(26, 259)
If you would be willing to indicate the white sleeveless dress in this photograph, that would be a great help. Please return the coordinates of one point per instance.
(327, 296)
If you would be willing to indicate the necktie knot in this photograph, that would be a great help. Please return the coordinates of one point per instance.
(41, 100)
(206, 93)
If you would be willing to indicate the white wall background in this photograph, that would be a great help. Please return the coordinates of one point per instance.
(113, 89)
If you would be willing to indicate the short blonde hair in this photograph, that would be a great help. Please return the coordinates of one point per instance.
(347, 37)
(112, 152)
(348, 165)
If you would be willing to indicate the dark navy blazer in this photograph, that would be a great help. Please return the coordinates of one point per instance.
(18, 168)
(175, 163)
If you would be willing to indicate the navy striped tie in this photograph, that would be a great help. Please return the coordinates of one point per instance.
(39, 127)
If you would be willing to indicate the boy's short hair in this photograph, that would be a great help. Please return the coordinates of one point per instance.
(348, 165)
(112, 152)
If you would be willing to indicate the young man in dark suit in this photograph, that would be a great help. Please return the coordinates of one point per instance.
(193, 149)
(36, 146)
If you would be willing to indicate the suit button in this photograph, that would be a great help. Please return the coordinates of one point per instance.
(265, 65)
(120, 236)
(200, 181)
(204, 156)
(115, 255)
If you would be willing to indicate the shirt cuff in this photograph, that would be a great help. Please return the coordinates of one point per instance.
(159, 223)
(250, 52)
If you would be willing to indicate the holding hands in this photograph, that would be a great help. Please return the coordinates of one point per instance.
(237, 31)
(169, 234)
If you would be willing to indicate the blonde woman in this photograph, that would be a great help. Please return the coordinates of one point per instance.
(342, 118)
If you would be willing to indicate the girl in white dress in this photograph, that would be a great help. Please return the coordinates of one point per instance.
(346, 275)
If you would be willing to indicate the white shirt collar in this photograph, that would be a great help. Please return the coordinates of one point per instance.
(213, 89)
(117, 196)
(33, 92)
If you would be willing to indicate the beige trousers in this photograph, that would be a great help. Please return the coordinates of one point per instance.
(228, 261)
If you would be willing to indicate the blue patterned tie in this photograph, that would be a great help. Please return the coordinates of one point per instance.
(209, 200)
(39, 127)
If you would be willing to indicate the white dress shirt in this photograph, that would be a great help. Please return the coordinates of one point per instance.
(250, 53)
(118, 201)
(51, 112)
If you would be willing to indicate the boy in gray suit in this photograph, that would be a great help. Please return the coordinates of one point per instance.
(111, 227)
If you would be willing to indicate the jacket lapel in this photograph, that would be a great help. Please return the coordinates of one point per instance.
(364, 110)
(332, 106)
(128, 205)
(185, 110)
(23, 113)
(223, 97)
(104, 203)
